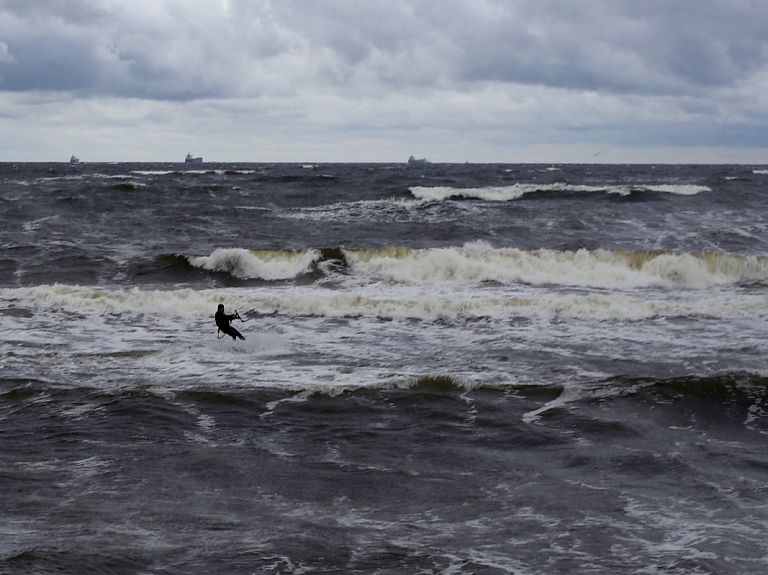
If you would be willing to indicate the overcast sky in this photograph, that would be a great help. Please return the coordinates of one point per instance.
(377, 80)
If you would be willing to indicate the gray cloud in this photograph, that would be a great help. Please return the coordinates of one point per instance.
(485, 75)
(620, 46)
(187, 50)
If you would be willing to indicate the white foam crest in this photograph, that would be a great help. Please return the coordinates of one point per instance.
(360, 210)
(428, 306)
(111, 176)
(226, 172)
(131, 184)
(270, 265)
(705, 269)
(491, 193)
(516, 191)
(478, 262)
(153, 172)
(356, 304)
(105, 301)
(760, 172)
(427, 303)
(679, 189)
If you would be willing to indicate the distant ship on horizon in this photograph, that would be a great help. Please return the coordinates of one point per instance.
(74, 160)
(192, 160)
(412, 161)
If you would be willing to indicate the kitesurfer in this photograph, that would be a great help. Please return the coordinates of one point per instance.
(222, 322)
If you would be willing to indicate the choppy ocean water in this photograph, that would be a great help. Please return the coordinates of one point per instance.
(447, 369)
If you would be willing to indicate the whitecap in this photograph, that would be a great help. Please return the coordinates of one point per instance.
(517, 191)
(270, 265)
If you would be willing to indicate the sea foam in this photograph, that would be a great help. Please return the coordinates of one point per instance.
(517, 191)
(427, 303)
(270, 265)
(478, 262)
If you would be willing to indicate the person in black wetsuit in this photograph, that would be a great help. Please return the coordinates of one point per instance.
(222, 322)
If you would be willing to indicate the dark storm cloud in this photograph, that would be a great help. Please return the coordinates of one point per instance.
(185, 50)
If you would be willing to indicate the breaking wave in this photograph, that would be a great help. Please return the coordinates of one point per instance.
(269, 265)
(375, 302)
(517, 191)
(478, 262)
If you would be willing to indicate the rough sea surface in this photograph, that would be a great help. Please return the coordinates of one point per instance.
(457, 369)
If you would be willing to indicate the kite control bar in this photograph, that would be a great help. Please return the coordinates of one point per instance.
(237, 315)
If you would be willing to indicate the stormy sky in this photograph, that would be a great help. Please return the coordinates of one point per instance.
(375, 80)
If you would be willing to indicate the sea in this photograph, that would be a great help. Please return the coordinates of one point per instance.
(447, 369)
